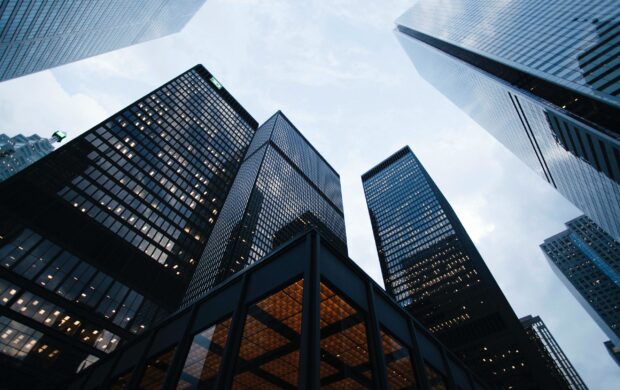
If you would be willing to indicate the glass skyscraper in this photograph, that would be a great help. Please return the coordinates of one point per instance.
(587, 260)
(36, 35)
(549, 349)
(100, 238)
(432, 268)
(543, 77)
(284, 187)
(18, 152)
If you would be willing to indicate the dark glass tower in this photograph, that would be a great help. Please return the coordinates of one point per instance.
(284, 186)
(587, 261)
(432, 268)
(36, 35)
(100, 238)
(543, 77)
(549, 349)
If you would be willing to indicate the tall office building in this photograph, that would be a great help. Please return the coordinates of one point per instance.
(36, 35)
(100, 238)
(284, 186)
(549, 349)
(18, 152)
(587, 261)
(432, 268)
(543, 77)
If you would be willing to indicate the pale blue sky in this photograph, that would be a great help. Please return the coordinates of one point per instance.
(337, 71)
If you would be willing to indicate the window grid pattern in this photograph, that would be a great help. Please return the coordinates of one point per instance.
(434, 270)
(37, 35)
(578, 160)
(272, 200)
(567, 42)
(160, 170)
(588, 261)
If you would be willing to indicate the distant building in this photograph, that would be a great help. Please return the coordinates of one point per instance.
(542, 77)
(284, 187)
(432, 268)
(37, 35)
(99, 240)
(587, 261)
(18, 152)
(557, 362)
(304, 317)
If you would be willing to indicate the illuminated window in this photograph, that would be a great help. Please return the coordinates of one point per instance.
(155, 372)
(398, 360)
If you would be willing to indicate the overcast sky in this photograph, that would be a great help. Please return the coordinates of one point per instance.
(337, 71)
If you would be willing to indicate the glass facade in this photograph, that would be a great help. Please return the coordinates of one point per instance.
(557, 362)
(18, 152)
(521, 78)
(303, 317)
(283, 187)
(432, 268)
(136, 195)
(37, 35)
(587, 260)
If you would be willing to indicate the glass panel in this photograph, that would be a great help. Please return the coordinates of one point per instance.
(345, 362)
(7, 291)
(122, 381)
(435, 379)
(398, 360)
(155, 372)
(269, 352)
(204, 357)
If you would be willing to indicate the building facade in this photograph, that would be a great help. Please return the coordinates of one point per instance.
(18, 152)
(587, 261)
(542, 77)
(283, 187)
(36, 35)
(432, 268)
(549, 349)
(99, 239)
(304, 317)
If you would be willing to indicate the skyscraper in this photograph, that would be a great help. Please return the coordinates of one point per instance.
(304, 317)
(587, 261)
(542, 77)
(18, 152)
(100, 238)
(549, 349)
(37, 35)
(284, 186)
(432, 268)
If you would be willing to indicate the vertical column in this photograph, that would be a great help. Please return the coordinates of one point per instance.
(173, 373)
(227, 369)
(418, 360)
(374, 340)
(449, 376)
(310, 353)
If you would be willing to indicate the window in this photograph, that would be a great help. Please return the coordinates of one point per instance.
(155, 372)
(398, 360)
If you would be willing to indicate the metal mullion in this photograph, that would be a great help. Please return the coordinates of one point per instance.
(140, 366)
(183, 347)
(418, 360)
(446, 362)
(309, 351)
(233, 343)
(374, 340)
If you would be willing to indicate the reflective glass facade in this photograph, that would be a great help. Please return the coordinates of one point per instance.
(17, 152)
(587, 260)
(283, 187)
(547, 87)
(99, 239)
(37, 34)
(432, 268)
(304, 317)
(549, 349)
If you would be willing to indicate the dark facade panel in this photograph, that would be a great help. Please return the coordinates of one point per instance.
(136, 195)
(431, 267)
(270, 335)
(284, 187)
